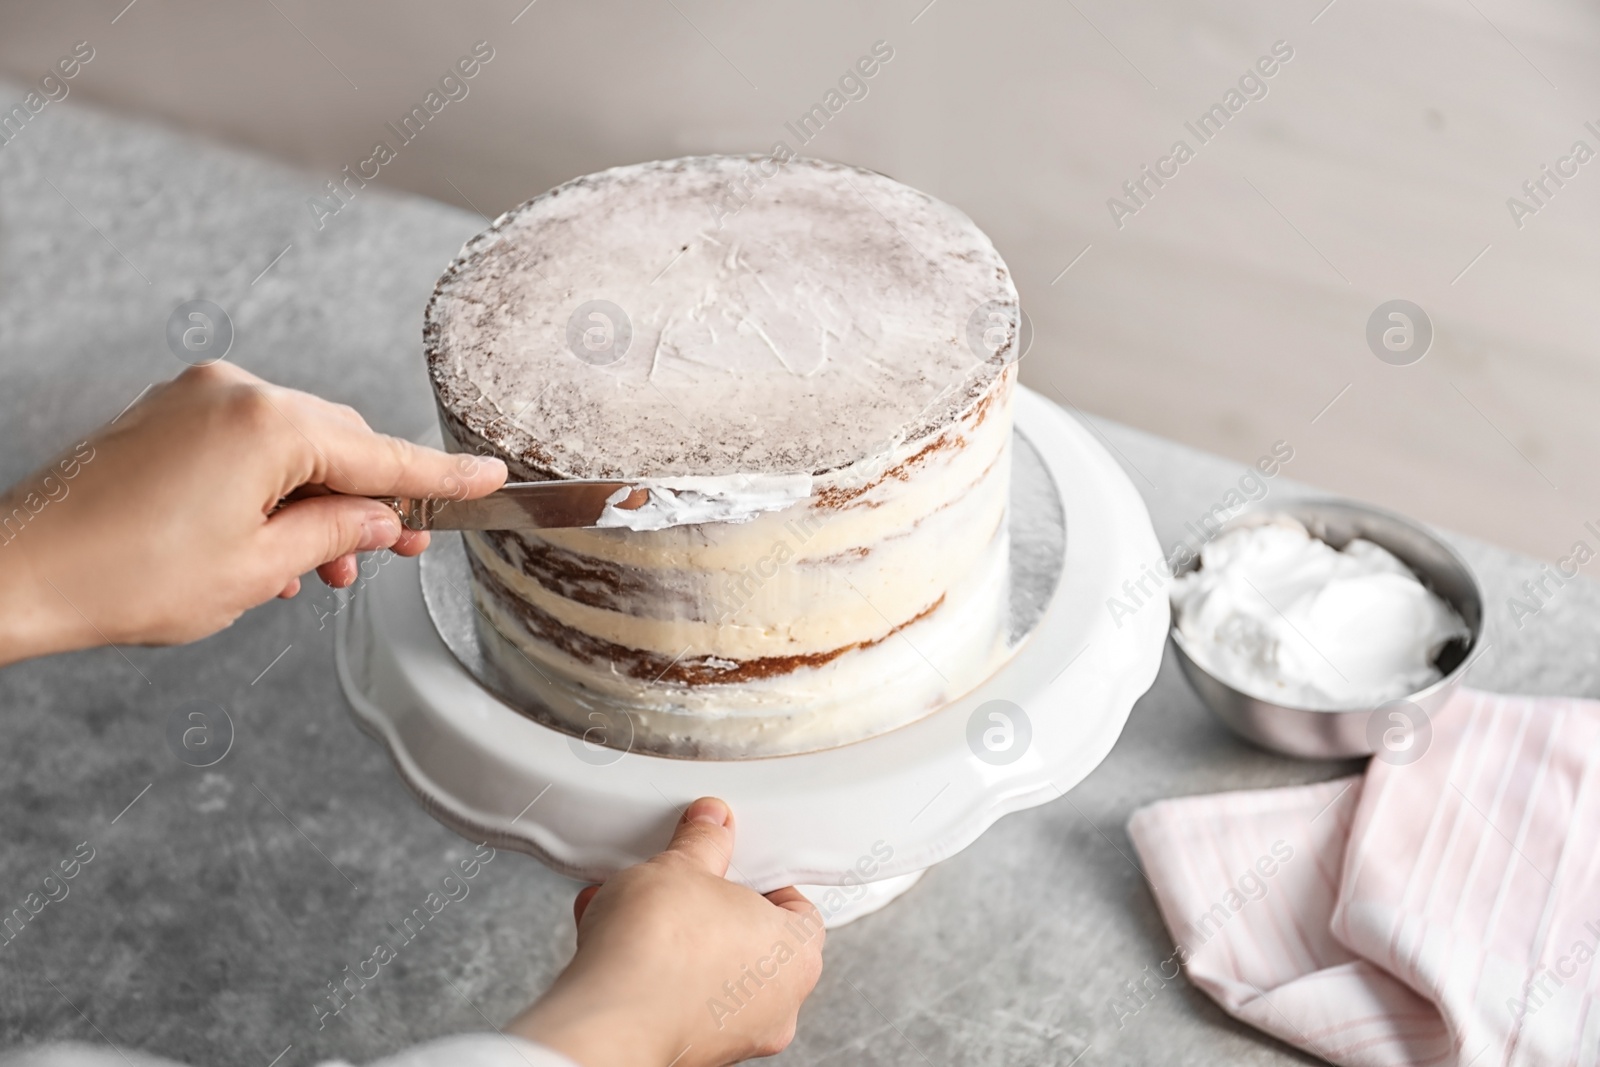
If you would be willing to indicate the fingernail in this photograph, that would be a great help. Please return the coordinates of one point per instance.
(491, 464)
(708, 810)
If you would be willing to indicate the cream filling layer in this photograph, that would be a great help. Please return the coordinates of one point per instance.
(778, 604)
(859, 694)
(894, 503)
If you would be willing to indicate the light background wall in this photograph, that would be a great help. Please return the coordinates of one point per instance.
(1229, 312)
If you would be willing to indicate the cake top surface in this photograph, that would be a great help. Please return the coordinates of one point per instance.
(718, 315)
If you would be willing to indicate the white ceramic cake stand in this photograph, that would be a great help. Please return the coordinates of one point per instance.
(867, 817)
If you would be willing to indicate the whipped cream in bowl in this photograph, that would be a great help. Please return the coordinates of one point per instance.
(1311, 629)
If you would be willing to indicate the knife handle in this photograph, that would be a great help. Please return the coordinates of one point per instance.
(414, 514)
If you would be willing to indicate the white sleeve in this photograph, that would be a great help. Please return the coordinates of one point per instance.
(461, 1050)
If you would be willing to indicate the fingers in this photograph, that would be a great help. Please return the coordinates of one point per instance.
(349, 458)
(580, 903)
(309, 533)
(340, 573)
(705, 835)
(791, 899)
(410, 543)
(813, 933)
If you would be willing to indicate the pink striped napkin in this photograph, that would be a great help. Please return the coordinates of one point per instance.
(1441, 911)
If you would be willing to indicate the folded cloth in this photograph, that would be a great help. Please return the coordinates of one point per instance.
(1441, 908)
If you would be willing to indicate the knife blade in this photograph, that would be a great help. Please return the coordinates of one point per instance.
(519, 506)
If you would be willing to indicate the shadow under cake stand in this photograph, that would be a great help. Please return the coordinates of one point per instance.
(853, 826)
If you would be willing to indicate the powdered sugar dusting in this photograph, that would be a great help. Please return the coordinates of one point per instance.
(821, 323)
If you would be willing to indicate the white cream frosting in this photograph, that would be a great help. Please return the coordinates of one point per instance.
(690, 500)
(824, 550)
(800, 582)
(1284, 617)
(785, 584)
(863, 694)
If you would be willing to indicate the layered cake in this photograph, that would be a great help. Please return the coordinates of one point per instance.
(810, 368)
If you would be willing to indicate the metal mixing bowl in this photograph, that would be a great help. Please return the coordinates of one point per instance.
(1310, 733)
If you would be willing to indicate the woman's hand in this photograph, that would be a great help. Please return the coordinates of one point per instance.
(677, 965)
(165, 526)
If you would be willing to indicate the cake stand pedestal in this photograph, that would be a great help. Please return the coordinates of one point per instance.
(856, 825)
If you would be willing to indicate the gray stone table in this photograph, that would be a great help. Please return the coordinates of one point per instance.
(221, 901)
